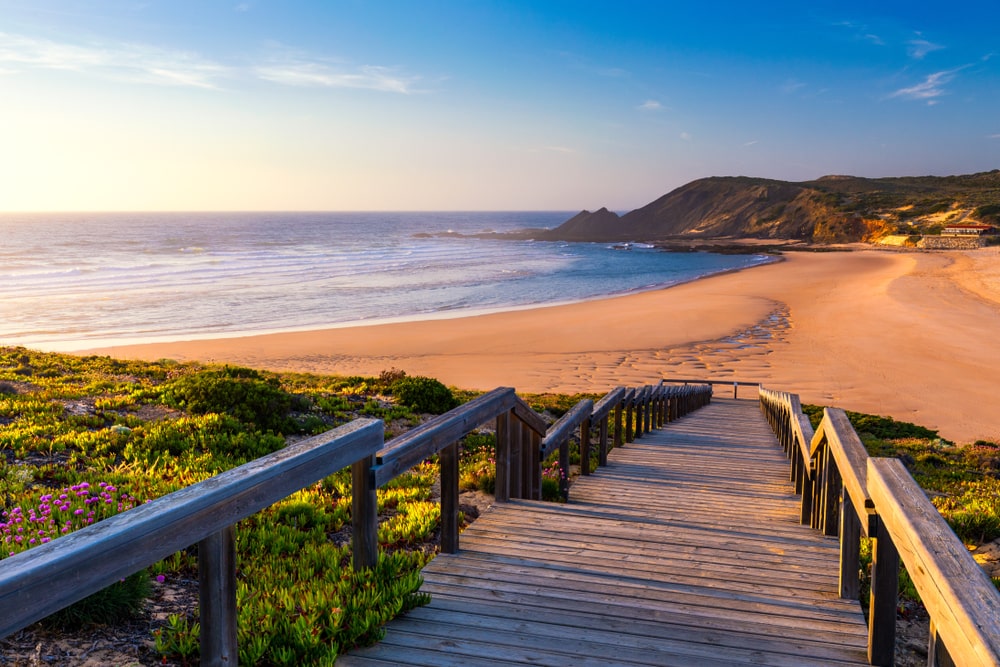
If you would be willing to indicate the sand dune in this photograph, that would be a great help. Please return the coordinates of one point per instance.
(911, 335)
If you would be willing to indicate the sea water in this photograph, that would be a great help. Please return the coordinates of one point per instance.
(72, 281)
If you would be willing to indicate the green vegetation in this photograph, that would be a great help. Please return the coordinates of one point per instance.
(104, 433)
(962, 482)
(423, 394)
(82, 438)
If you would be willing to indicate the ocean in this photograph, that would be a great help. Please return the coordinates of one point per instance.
(73, 281)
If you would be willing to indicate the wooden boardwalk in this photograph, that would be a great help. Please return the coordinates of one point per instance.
(685, 550)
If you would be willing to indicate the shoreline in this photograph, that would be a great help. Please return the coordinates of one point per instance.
(101, 343)
(886, 333)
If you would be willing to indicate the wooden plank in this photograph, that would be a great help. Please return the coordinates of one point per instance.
(491, 614)
(709, 591)
(39, 582)
(957, 593)
(672, 554)
(671, 612)
(530, 644)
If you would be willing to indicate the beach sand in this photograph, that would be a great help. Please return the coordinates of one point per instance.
(906, 334)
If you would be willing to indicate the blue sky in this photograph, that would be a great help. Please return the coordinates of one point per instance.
(478, 105)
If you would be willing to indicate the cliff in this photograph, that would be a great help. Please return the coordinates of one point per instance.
(832, 209)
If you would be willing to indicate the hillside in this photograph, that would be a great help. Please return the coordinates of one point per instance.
(832, 209)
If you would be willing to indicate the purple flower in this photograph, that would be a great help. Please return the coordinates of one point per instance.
(160, 578)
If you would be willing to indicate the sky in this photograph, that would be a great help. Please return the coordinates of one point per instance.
(350, 105)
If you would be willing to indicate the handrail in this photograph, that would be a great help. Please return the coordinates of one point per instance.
(733, 383)
(845, 492)
(49, 577)
(564, 427)
(558, 436)
(604, 406)
(407, 450)
(529, 417)
(960, 598)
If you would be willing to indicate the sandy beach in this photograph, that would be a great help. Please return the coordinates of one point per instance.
(911, 335)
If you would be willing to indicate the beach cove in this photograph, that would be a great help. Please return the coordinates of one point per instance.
(905, 334)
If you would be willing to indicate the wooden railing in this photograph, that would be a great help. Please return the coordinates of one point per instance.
(47, 578)
(725, 383)
(849, 494)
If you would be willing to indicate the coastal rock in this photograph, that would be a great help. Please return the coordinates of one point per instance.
(831, 209)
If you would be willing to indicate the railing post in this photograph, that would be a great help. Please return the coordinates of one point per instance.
(650, 403)
(629, 433)
(808, 482)
(619, 434)
(364, 514)
(602, 441)
(515, 461)
(448, 461)
(585, 446)
(501, 491)
(217, 590)
(535, 488)
(850, 549)
(834, 490)
(564, 469)
(937, 652)
(884, 598)
(640, 402)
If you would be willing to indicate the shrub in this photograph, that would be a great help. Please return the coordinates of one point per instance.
(424, 394)
(240, 392)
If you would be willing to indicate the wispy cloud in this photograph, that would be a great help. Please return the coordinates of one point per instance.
(612, 72)
(319, 74)
(751, 143)
(137, 63)
(147, 64)
(994, 136)
(242, 7)
(650, 105)
(685, 136)
(930, 89)
(861, 32)
(792, 86)
(918, 48)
